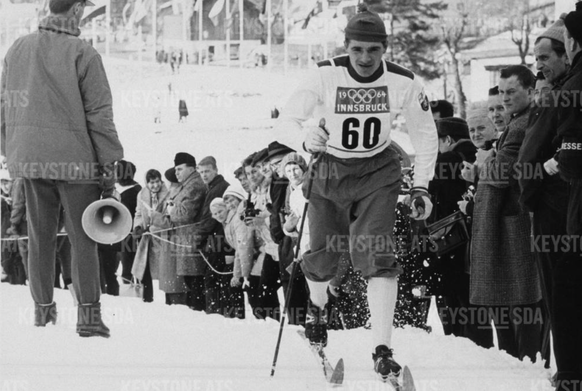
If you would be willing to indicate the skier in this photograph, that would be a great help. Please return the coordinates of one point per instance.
(351, 96)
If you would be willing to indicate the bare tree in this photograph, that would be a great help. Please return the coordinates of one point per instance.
(452, 32)
(521, 29)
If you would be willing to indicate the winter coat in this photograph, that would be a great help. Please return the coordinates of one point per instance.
(208, 226)
(188, 201)
(170, 281)
(539, 145)
(249, 253)
(503, 268)
(570, 122)
(149, 250)
(60, 126)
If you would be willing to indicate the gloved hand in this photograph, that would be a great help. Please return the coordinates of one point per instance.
(551, 166)
(107, 180)
(138, 231)
(420, 203)
(316, 138)
(13, 231)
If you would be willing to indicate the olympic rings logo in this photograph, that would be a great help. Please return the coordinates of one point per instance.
(361, 95)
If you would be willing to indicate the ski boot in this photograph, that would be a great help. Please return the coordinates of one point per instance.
(384, 364)
(316, 326)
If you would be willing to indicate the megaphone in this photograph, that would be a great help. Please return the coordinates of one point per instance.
(107, 221)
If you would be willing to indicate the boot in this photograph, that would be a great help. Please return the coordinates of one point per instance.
(44, 313)
(316, 325)
(384, 364)
(89, 323)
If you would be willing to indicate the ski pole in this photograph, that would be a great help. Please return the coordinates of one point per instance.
(314, 159)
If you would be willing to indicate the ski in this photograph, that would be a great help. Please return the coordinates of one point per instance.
(334, 376)
(407, 381)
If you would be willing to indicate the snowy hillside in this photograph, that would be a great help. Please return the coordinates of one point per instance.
(158, 347)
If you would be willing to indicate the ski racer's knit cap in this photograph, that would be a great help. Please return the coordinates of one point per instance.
(294, 158)
(573, 22)
(217, 203)
(556, 31)
(184, 158)
(276, 148)
(453, 126)
(236, 191)
(366, 27)
(261, 156)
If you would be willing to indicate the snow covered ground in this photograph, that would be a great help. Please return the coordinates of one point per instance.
(158, 347)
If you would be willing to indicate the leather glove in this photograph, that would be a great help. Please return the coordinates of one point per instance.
(316, 138)
(420, 203)
(107, 180)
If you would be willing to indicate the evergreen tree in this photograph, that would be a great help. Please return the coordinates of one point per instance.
(411, 41)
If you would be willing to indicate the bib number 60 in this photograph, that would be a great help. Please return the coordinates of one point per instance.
(370, 133)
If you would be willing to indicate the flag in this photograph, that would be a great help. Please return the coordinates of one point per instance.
(215, 11)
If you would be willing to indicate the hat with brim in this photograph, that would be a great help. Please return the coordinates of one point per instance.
(276, 148)
(170, 175)
(261, 156)
(452, 126)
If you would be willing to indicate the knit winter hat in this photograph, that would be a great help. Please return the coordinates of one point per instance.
(556, 31)
(452, 126)
(573, 22)
(294, 158)
(237, 191)
(217, 203)
(366, 27)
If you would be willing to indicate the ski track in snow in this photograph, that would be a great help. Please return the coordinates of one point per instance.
(159, 347)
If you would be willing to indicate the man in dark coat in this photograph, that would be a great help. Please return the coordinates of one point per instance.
(504, 275)
(567, 301)
(205, 285)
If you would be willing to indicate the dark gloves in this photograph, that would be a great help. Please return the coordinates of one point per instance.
(107, 180)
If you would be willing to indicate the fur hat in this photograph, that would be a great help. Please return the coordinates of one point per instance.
(236, 191)
(184, 158)
(453, 126)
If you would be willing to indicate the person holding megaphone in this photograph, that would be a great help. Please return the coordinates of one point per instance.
(59, 136)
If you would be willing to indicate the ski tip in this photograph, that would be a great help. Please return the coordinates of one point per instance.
(337, 377)
(407, 380)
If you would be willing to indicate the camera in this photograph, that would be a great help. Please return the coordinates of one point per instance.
(250, 210)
